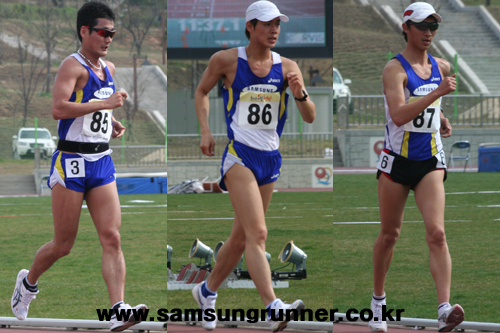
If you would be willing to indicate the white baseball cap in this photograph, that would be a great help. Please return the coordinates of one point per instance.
(419, 11)
(264, 11)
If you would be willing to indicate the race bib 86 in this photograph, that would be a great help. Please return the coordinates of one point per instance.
(258, 110)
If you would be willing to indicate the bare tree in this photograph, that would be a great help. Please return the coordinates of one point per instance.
(128, 107)
(69, 21)
(46, 29)
(2, 55)
(28, 77)
(138, 17)
(59, 3)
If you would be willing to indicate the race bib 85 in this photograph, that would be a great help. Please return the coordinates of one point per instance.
(98, 123)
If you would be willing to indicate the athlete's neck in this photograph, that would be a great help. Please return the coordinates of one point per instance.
(258, 53)
(415, 56)
(90, 58)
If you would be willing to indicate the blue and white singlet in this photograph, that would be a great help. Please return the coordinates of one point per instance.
(93, 127)
(255, 107)
(419, 139)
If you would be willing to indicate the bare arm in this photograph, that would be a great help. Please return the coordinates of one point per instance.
(69, 78)
(394, 78)
(445, 130)
(295, 81)
(215, 71)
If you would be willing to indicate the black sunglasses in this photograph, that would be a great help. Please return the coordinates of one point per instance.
(103, 32)
(423, 26)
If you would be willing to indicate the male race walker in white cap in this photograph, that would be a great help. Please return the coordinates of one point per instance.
(255, 80)
(413, 159)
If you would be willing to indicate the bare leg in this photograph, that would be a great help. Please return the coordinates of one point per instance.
(228, 256)
(392, 198)
(430, 199)
(66, 208)
(250, 204)
(104, 207)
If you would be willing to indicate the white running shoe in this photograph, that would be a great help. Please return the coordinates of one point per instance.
(207, 303)
(22, 297)
(280, 325)
(116, 325)
(450, 317)
(377, 324)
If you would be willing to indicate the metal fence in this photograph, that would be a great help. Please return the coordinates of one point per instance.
(186, 146)
(292, 145)
(365, 111)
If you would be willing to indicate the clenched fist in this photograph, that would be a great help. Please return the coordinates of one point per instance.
(116, 100)
(448, 85)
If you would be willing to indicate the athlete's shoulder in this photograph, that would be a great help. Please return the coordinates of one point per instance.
(289, 65)
(224, 56)
(444, 66)
(111, 67)
(72, 66)
(394, 67)
(223, 63)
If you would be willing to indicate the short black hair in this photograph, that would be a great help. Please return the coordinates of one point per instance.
(254, 23)
(90, 12)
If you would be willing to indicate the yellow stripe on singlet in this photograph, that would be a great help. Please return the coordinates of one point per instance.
(230, 150)
(433, 144)
(230, 101)
(404, 146)
(79, 96)
(282, 105)
(59, 167)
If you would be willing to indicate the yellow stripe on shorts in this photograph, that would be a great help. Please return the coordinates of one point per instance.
(433, 144)
(230, 150)
(59, 167)
(404, 146)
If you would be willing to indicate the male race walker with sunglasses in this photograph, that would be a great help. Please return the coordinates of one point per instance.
(413, 159)
(83, 100)
(254, 92)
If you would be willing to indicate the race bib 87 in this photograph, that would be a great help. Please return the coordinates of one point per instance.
(258, 110)
(428, 121)
(98, 123)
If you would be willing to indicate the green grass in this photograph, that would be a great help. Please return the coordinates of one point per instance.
(473, 244)
(304, 217)
(74, 287)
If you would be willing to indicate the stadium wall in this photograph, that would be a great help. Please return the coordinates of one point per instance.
(295, 173)
(357, 147)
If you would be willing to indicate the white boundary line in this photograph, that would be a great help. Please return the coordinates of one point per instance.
(232, 218)
(378, 222)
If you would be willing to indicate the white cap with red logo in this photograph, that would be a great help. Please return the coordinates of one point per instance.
(264, 11)
(419, 11)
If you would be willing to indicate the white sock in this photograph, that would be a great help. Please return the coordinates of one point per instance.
(117, 304)
(378, 298)
(443, 305)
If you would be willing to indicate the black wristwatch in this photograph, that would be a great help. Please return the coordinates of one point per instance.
(303, 99)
